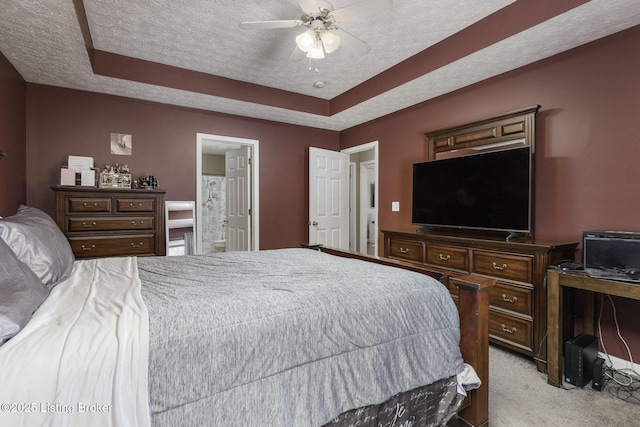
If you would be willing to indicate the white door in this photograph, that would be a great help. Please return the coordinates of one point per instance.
(328, 198)
(238, 173)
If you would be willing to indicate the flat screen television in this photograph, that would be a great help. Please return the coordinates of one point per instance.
(487, 191)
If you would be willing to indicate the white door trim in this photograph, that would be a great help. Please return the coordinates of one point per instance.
(255, 185)
(352, 207)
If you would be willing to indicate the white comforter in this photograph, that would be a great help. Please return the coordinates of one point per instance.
(56, 371)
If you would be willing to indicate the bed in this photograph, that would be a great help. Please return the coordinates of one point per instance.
(291, 337)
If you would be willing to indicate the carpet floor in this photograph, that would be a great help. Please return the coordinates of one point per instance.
(520, 396)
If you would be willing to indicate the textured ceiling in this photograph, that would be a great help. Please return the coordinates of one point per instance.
(44, 40)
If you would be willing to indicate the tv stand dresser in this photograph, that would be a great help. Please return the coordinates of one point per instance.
(518, 309)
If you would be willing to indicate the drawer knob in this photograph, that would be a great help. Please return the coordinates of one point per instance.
(89, 205)
(90, 225)
(511, 300)
(88, 248)
(404, 251)
(509, 331)
(500, 267)
(445, 258)
(136, 245)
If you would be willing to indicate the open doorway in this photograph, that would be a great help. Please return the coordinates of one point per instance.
(367, 214)
(363, 198)
(212, 197)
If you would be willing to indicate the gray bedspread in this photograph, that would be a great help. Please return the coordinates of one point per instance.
(289, 337)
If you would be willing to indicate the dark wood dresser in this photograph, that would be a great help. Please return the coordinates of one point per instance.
(518, 309)
(104, 222)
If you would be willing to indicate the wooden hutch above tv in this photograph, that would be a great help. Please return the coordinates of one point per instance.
(509, 130)
(513, 127)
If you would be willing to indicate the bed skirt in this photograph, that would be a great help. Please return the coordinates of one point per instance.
(431, 405)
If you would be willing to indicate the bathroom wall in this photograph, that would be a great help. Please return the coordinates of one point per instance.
(213, 164)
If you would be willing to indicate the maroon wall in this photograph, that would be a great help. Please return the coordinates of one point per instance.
(63, 122)
(13, 190)
(587, 145)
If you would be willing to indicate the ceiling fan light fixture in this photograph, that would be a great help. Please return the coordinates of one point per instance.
(322, 36)
(316, 52)
(306, 40)
(330, 41)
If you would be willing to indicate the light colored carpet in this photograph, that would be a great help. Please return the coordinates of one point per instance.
(520, 396)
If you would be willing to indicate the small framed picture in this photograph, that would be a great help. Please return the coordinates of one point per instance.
(121, 144)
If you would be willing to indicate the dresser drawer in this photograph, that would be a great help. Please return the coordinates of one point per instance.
(109, 224)
(448, 256)
(101, 246)
(82, 205)
(512, 297)
(408, 250)
(135, 205)
(506, 266)
(511, 329)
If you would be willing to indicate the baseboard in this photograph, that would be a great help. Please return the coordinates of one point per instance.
(619, 363)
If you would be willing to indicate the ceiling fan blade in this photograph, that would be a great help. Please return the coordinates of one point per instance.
(263, 25)
(309, 6)
(364, 8)
(350, 42)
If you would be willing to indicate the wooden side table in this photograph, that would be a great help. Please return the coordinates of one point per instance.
(556, 335)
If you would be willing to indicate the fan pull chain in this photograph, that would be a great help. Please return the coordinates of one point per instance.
(313, 65)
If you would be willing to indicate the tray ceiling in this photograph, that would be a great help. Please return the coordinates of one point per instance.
(194, 54)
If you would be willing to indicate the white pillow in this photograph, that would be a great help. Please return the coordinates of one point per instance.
(38, 242)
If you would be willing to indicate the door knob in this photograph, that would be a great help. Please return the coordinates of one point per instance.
(314, 223)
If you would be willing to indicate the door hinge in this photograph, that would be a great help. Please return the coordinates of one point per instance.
(249, 211)
(249, 160)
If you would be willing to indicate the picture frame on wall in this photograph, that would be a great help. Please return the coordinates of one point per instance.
(121, 144)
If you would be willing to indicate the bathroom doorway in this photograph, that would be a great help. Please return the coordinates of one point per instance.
(214, 201)
(363, 198)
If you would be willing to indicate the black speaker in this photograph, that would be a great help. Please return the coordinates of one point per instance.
(598, 374)
(580, 354)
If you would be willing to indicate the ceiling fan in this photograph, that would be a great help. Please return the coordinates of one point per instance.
(322, 34)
